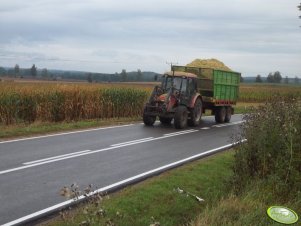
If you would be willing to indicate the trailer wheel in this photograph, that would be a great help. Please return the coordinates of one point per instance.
(165, 120)
(181, 116)
(228, 114)
(220, 115)
(196, 114)
(148, 120)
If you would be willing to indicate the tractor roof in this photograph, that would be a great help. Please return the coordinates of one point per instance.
(180, 74)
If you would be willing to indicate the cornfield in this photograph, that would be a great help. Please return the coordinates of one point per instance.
(54, 102)
(68, 102)
(262, 93)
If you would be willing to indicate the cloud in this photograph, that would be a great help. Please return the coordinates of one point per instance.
(252, 36)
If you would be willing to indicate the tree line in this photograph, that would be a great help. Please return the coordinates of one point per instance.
(45, 74)
(123, 76)
(275, 77)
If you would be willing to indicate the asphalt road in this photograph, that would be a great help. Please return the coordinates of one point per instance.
(32, 171)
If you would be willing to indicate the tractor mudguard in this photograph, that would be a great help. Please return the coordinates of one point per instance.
(193, 99)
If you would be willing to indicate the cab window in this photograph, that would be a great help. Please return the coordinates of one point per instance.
(190, 86)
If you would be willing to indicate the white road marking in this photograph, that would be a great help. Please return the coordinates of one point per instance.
(78, 131)
(55, 157)
(227, 124)
(82, 153)
(180, 132)
(88, 152)
(117, 184)
(205, 128)
(133, 141)
(60, 134)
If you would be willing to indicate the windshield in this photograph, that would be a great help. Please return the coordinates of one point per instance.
(168, 81)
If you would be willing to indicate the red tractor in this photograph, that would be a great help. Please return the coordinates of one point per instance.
(186, 92)
(177, 98)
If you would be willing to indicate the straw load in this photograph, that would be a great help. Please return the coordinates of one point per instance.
(209, 63)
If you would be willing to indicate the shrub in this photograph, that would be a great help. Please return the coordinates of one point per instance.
(272, 152)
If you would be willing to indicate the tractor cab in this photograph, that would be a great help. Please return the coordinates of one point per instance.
(178, 85)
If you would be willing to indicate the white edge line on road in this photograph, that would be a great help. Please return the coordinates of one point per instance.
(119, 183)
(66, 133)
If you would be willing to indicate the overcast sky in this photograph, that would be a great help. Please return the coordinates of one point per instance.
(250, 36)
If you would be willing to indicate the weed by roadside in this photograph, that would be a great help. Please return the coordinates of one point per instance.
(273, 149)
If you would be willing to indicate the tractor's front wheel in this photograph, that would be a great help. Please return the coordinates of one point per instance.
(181, 116)
(148, 120)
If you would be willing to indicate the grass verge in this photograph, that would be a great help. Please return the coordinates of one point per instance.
(40, 128)
(248, 209)
(157, 199)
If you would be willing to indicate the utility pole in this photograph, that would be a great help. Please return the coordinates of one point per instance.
(171, 63)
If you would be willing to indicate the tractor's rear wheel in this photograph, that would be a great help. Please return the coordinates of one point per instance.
(220, 114)
(165, 120)
(196, 114)
(181, 116)
(228, 114)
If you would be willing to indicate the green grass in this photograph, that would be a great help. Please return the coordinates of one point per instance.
(249, 208)
(157, 200)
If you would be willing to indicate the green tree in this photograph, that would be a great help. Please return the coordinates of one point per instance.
(296, 80)
(286, 80)
(258, 79)
(123, 75)
(277, 77)
(33, 71)
(270, 78)
(17, 70)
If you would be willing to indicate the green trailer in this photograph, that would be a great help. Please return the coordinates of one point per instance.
(187, 92)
